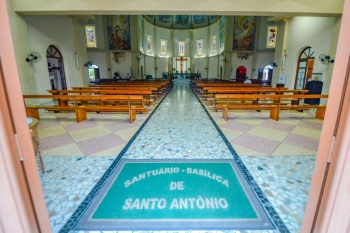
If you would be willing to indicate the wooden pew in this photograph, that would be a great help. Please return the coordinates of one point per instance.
(234, 102)
(200, 86)
(257, 91)
(120, 103)
(274, 103)
(124, 104)
(210, 92)
(148, 96)
(33, 110)
(157, 89)
(320, 109)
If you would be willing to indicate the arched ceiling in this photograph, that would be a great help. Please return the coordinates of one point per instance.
(181, 21)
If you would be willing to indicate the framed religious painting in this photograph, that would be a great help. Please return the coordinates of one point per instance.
(90, 36)
(199, 46)
(181, 48)
(271, 37)
(118, 29)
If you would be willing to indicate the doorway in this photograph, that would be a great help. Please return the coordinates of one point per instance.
(241, 73)
(55, 66)
(305, 66)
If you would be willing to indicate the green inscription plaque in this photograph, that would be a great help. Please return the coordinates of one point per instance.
(175, 191)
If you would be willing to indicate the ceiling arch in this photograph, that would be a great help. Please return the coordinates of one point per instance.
(181, 21)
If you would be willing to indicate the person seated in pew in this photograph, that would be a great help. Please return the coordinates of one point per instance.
(116, 75)
(127, 76)
(247, 81)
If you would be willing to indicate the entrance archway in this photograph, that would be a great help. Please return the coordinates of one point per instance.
(56, 68)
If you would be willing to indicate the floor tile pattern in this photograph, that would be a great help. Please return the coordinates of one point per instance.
(286, 186)
(282, 165)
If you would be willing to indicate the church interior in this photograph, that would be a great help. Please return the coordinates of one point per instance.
(179, 121)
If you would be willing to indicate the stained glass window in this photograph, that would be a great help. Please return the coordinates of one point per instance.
(90, 36)
(182, 48)
(199, 47)
(163, 47)
(149, 44)
(213, 45)
(271, 37)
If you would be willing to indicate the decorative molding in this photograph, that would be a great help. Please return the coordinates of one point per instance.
(244, 55)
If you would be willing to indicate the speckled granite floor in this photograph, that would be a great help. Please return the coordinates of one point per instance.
(279, 155)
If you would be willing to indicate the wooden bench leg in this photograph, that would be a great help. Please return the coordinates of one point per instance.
(33, 112)
(225, 112)
(37, 144)
(132, 115)
(274, 113)
(62, 102)
(320, 112)
(81, 114)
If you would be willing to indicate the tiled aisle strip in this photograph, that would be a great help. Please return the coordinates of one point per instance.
(284, 179)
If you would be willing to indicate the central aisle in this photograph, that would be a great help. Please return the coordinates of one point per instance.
(179, 129)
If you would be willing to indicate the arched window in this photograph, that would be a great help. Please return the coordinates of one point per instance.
(305, 66)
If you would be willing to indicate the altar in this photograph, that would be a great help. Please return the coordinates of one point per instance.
(181, 75)
(181, 65)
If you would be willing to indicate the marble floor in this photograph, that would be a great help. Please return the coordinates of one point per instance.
(279, 155)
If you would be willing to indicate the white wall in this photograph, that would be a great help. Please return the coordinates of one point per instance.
(149, 66)
(123, 67)
(200, 65)
(213, 67)
(44, 31)
(316, 32)
(162, 64)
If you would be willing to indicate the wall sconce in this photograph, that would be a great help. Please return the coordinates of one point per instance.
(326, 59)
(33, 57)
(76, 61)
(284, 59)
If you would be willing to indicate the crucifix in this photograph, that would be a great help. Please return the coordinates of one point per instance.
(181, 60)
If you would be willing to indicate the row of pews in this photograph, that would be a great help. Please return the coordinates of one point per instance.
(227, 95)
(128, 97)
